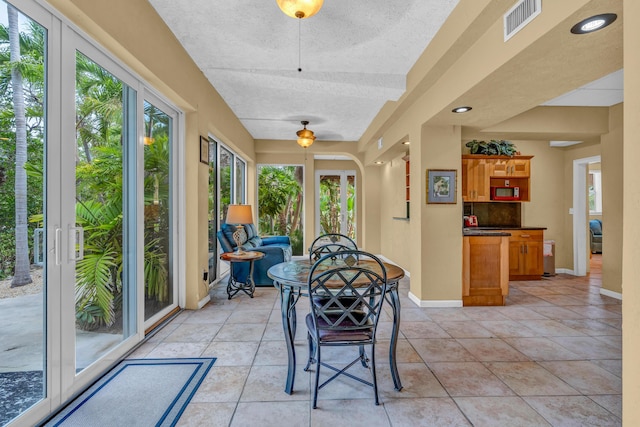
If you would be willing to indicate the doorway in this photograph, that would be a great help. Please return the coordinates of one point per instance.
(580, 210)
(336, 202)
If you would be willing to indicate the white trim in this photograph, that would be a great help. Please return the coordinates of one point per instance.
(612, 294)
(343, 174)
(204, 301)
(564, 271)
(435, 303)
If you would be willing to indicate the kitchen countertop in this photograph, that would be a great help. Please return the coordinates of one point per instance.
(493, 231)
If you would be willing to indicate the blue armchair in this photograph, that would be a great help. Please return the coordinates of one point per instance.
(277, 249)
(595, 228)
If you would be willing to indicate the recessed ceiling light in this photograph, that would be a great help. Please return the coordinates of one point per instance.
(406, 143)
(593, 23)
(461, 109)
(378, 162)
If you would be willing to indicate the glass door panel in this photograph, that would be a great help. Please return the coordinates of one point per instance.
(159, 290)
(97, 240)
(336, 197)
(23, 217)
(213, 208)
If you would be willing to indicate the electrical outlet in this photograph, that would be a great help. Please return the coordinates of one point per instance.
(205, 275)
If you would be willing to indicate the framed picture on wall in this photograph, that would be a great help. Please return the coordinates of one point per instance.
(204, 150)
(441, 186)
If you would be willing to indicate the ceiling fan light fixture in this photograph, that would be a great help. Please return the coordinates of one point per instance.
(305, 136)
(300, 8)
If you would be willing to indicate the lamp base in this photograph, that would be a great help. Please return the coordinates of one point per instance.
(239, 236)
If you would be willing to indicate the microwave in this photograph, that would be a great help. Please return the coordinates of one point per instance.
(505, 193)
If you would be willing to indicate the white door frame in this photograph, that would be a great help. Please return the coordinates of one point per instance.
(579, 210)
(343, 200)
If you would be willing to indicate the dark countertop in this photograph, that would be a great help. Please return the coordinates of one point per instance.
(476, 231)
(509, 228)
(492, 231)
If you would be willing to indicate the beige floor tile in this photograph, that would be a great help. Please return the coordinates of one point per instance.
(492, 350)
(570, 411)
(232, 353)
(417, 381)
(469, 379)
(542, 348)
(222, 384)
(519, 313)
(249, 316)
(444, 314)
(558, 313)
(612, 403)
(484, 313)
(194, 332)
(434, 411)
(552, 328)
(588, 347)
(530, 379)
(272, 414)
(614, 366)
(441, 350)
(266, 384)
(208, 314)
(405, 353)
(273, 353)
(241, 332)
(177, 349)
(422, 330)
(585, 377)
(508, 328)
(591, 327)
(500, 411)
(465, 329)
(358, 413)
(207, 414)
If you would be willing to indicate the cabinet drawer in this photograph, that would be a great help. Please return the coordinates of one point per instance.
(531, 235)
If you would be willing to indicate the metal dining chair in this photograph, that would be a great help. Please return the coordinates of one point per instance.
(346, 303)
(331, 242)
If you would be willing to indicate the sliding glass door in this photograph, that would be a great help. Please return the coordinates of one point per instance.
(87, 212)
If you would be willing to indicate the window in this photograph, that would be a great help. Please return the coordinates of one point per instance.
(233, 177)
(595, 192)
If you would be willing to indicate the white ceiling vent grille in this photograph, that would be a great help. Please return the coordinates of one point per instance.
(520, 15)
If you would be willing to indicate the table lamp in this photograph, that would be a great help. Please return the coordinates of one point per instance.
(239, 214)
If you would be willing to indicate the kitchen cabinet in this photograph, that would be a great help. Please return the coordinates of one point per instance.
(480, 173)
(526, 261)
(475, 180)
(485, 269)
(515, 166)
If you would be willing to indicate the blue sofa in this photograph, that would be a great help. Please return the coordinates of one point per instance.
(277, 249)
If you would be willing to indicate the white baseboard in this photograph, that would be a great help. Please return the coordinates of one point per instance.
(204, 301)
(612, 294)
(435, 303)
(564, 271)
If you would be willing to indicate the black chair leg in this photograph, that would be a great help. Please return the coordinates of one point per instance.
(373, 372)
(363, 357)
(317, 383)
(311, 358)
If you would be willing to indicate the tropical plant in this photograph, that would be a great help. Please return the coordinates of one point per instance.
(492, 148)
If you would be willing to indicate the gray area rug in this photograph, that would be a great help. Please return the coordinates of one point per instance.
(137, 392)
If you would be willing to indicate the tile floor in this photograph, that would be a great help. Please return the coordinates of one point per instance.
(551, 356)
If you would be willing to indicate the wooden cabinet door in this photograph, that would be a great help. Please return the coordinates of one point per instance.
(510, 167)
(533, 264)
(515, 257)
(475, 182)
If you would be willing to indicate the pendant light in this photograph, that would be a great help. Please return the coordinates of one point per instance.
(300, 8)
(305, 136)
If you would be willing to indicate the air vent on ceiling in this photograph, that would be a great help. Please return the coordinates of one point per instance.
(520, 15)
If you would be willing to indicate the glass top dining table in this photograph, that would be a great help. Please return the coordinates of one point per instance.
(291, 279)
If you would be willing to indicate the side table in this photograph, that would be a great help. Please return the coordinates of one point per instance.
(234, 286)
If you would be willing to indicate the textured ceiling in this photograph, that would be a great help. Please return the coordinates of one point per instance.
(354, 56)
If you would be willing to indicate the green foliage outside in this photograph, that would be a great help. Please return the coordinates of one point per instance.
(99, 179)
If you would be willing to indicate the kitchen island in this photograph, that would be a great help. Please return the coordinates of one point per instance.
(485, 267)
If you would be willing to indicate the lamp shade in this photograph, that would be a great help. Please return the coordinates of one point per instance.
(300, 8)
(239, 214)
(305, 136)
